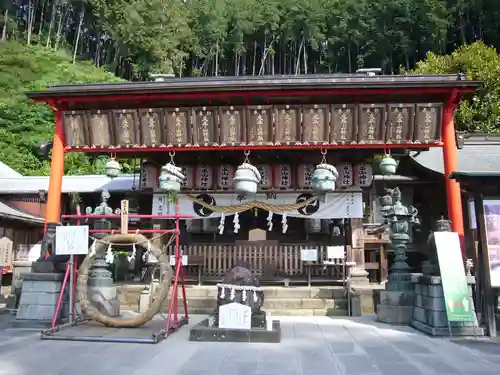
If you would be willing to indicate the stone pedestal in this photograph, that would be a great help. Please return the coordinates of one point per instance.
(105, 299)
(103, 294)
(396, 303)
(429, 311)
(40, 292)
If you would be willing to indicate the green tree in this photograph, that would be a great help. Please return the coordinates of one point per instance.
(24, 125)
(481, 112)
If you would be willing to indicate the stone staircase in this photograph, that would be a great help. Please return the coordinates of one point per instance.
(279, 301)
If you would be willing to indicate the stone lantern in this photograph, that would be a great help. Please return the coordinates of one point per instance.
(396, 301)
(102, 292)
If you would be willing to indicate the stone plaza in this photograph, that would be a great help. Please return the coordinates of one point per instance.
(309, 346)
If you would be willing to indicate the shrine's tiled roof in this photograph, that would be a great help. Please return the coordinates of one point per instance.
(480, 153)
(9, 212)
(71, 184)
(205, 85)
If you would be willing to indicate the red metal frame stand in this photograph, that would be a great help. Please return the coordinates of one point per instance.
(172, 322)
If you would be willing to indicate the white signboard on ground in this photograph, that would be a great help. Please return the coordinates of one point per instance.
(72, 240)
(235, 316)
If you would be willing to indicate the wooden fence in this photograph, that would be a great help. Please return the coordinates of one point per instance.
(265, 261)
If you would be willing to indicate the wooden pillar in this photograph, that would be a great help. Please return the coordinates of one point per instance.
(358, 273)
(53, 209)
(450, 158)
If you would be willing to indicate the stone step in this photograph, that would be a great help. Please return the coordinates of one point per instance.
(131, 293)
(273, 312)
(281, 303)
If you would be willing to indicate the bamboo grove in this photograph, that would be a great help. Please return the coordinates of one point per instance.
(250, 37)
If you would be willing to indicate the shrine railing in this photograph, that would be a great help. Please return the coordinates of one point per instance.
(269, 262)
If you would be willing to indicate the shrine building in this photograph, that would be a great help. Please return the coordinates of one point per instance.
(284, 126)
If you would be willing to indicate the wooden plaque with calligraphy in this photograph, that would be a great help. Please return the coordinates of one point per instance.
(371, 124)
(259, 125)
(126, 132)
(315, 130)
(428, 123)
(400, 123)
(343, 125)
(205, 126)
(287, 130)
(232, 126)
(75, 129)
(151, 123)
(100, 129)
(178, 126)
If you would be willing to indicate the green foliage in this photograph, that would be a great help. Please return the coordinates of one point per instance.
(25, 124)
(481, 113)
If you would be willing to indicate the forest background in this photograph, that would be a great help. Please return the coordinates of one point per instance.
(45, 42)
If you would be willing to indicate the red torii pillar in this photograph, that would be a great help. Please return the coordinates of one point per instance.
(450, 159)
(53, 208)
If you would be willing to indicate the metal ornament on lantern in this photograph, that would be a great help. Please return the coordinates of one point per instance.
(324, 176)
(246, 178)
(113, 168)
(171, 177)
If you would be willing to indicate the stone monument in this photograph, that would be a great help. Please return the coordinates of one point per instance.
(102, 292)
(238, 316)
(396, 301)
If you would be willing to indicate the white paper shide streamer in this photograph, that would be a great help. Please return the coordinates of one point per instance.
(236, 222)
(221, 224)
(270, 221)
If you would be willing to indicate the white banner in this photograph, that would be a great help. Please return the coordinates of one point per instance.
(337, 205)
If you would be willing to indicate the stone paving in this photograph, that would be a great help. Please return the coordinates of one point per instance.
(310, 346)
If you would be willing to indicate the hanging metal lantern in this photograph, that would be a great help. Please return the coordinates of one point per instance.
(388, 165)
(323, 178)
(113, 168)
(247, 178)
(171, 178)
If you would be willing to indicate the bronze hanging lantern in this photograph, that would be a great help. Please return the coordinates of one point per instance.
(113, 168)
(388, 165)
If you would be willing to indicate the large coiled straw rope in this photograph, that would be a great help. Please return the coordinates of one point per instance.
(159, 296)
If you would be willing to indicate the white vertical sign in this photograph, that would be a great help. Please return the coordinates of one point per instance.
(72, 240)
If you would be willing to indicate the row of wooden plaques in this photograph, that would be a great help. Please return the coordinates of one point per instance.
(347, 124)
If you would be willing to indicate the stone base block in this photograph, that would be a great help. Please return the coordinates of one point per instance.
(444, 331)
(396, 298)
(202, 332)
(397, 315)
(40, 293)
(105, 299)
